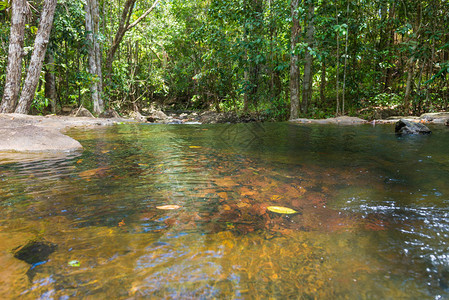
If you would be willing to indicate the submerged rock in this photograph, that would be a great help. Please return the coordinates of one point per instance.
(35, 252)
(408, 127)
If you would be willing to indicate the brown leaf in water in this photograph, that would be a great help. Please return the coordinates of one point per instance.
(226, 207)
(243, 204)
(223, 195)
(259, 209)
(225, 182)
(245, 191)
(93, 172)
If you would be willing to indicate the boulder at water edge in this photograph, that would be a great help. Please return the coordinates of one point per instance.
(408, 127)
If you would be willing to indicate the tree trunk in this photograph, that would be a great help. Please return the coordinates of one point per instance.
(37, 58)
(15, 53)
(94, 54)
(308, 72)
(294, 59)
(346, 63)
(50, 81)
(323, 82)
(408, 86)
(390, 43)
(338, 68)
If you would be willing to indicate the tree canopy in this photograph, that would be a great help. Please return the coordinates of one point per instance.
(347, 56)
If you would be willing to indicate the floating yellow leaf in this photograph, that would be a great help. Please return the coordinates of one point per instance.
(281, 210)
(195, 147)
(168, 207)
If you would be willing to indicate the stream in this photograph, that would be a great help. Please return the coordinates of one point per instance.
(372, 215)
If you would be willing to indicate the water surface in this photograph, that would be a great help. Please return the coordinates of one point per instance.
(373, 215)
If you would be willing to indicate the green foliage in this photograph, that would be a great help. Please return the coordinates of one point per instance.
(386, 99)
(228, 55)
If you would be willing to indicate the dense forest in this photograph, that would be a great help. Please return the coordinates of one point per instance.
(280, 58)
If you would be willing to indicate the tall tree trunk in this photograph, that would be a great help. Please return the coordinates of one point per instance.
(338, 67)
(308, 71)
(15, 53)
(294, 59)
(411, 61)
(390, 42)
(37, 58)
(323, 82)
(50, 81)
(94, 53)
(408, 85)
(346, 62)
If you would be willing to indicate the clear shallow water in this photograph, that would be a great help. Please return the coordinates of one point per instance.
(373, 221)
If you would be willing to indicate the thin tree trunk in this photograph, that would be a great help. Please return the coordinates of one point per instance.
(346, 63)
(390, 42)
(308, 71)
(37, 58)
(408, 86)
(294, 59)
(411, 62)
(338, 67)
(50, 80)
(323, 82)
(94, 68)
(15, 54)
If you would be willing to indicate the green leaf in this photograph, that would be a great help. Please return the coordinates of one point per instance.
(74, 263)
(4, 5)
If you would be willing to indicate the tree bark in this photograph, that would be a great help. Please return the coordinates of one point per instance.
(390, 42)
(15, 54)
(408, 85)
(50, 80)
(323, 82)
(294, 59)
(338, 68)
(308, 71)
(346, 62)
(94, 54)
(37, 58)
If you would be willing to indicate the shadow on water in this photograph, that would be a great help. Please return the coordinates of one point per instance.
(372, 215)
